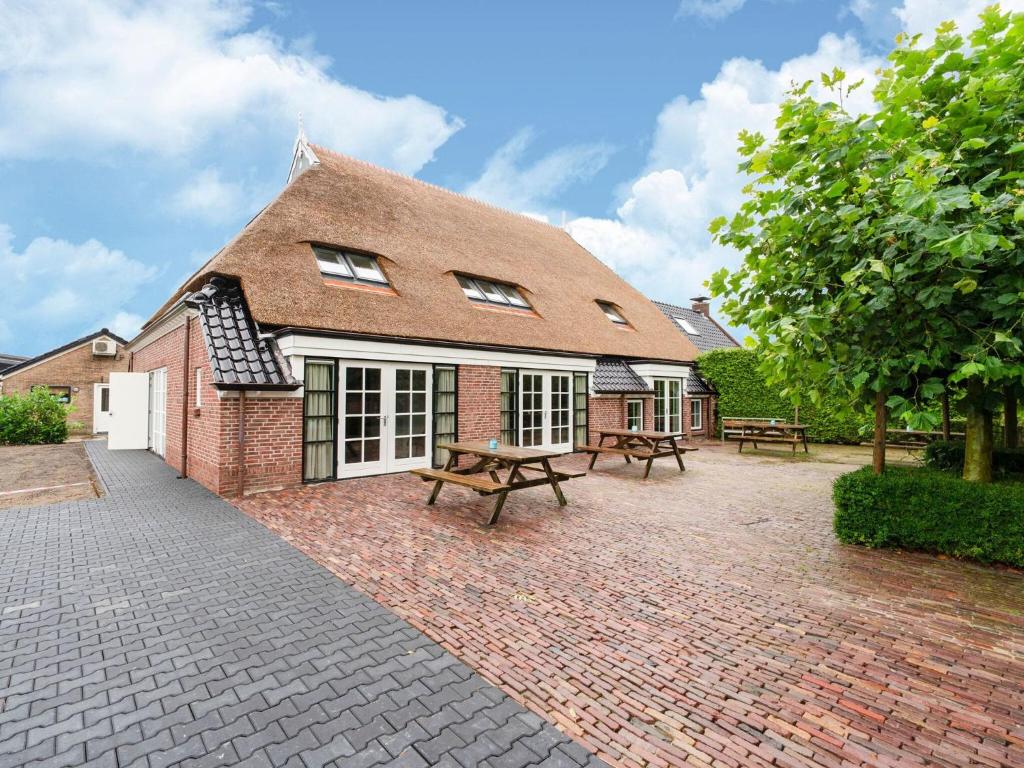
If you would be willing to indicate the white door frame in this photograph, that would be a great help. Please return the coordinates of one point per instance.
(100, 418)
(547, 379)
(129, 414)
(158, 411)
(389, 420)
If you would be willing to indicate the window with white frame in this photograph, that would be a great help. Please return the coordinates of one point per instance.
(696, 415)
(667, 405)
(491, 292)
(348, 266)
(199, 387)
(612, 313)
(687, 326)
(634, 415)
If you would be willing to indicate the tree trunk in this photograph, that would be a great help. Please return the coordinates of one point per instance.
(978, 450)
(1010, 434)
(881, 424)
(945, 415)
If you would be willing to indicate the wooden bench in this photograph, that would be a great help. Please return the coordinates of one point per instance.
(482, 485)
(763, 431)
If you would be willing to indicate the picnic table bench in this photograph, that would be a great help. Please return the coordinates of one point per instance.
(912, 439)
(756, 431)
(643, 445)
(482, 475)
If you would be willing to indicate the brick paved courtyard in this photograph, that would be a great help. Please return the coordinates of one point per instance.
(158, 626)
(707, 618)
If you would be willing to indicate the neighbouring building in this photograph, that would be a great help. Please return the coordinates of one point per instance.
(705, 333)
(7, 361)
(365, 317)
(77, 373)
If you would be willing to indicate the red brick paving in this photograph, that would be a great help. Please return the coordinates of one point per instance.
(706, 618)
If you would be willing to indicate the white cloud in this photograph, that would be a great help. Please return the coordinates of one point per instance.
(55, 289)
(125, 324)
(925, 15)
(509, 181)
(712, 10)
(658, 239)
(206, 196)
(80, 76)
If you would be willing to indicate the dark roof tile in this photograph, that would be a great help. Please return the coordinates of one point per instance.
(710, 334)
(614, 376)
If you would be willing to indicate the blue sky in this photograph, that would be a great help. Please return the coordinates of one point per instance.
(137, 138)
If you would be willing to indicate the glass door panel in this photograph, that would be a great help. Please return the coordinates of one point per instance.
(532, 410)
(363, 416)
(561, 411)
(410, 414)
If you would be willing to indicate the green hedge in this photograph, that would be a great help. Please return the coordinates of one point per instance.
(949, 456)
(930, 511)
(37, 417)
(743, 392)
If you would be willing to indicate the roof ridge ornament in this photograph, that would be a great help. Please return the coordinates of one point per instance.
(303, 156)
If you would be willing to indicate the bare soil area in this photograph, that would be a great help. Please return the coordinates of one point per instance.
(31, 475)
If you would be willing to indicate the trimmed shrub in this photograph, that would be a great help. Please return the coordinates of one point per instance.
(930, 511)
(949, 456)
(743, 393)
(31, 419)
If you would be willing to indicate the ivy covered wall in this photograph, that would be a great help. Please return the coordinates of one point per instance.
(743, 393)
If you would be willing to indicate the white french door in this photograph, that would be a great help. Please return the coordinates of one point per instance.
(158, 411)
(545, 410)
(385, 419)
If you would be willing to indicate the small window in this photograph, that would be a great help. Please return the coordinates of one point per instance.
(353, 267)
(696, 415)
(635, 415)
(63, 394)
(612, 313)
(686, 325)
(489, 292)
(105, 399)
(199, 387)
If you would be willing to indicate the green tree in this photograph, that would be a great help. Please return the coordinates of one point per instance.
(883, 253)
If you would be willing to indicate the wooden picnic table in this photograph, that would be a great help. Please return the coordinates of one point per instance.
(490, 461)
(643, 444)
(758, 431)
(915, 438)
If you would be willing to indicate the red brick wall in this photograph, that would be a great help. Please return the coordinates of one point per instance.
(273, 425)
(609, 412)
(707, 405)
(479, 388)
(75, 368)
(273, 443)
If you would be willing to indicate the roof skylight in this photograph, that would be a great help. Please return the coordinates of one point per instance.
(686, 325)
(490, 292)
(612, 313)
(352, 267)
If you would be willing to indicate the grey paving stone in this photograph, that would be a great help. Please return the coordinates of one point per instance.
(168, 628)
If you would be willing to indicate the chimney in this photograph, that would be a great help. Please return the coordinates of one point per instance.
(700, 304)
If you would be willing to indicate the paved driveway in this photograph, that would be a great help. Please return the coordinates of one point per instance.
(705, 618)
(160, 626)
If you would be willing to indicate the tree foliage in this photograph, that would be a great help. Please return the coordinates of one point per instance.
(38, 417)
(885, 252)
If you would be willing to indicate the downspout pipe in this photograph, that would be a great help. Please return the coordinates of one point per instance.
(241, 443)
(185, 379)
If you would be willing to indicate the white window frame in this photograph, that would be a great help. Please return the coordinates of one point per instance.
(630, 402)
(612, 313)
(686, 325)
(345, 268)
(696, 409)
(492, 292)
(667, 415)
(199, 387)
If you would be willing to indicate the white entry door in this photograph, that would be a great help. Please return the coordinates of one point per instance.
(158, 411)
(100, 408)
(545, 409)
(385, 419)
(128, 420)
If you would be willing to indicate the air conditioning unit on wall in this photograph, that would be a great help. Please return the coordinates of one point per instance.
(104, 347)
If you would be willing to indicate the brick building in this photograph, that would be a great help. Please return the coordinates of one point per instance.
(364, 317)
(78, 373)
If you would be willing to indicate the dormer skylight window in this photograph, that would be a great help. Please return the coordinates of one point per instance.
(686, 325)
(348, 266)
(612, 313)
(490, 292)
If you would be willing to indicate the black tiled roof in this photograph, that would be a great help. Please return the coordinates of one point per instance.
(24, 363)
(695, 385)
(615, 376)
(7, 361)
(240, 358)
(711, 336)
